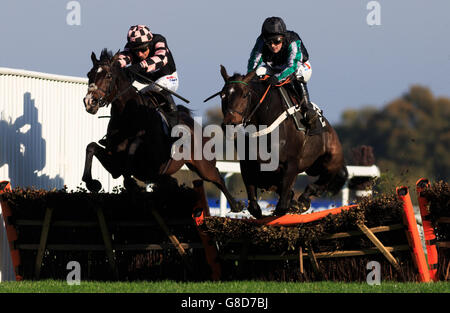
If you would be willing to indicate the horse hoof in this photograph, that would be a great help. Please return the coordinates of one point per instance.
(238, 207)
(255, 211)
(303, 203)
(94, 186)
(297, 208)
(280, 211)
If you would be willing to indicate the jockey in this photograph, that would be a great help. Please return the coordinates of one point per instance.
(283, 54)
(150, 56)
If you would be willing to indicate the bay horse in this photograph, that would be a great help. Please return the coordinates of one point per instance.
(317, 155)
(136, 143)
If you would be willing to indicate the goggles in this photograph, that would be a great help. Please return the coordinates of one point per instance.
(274, 40)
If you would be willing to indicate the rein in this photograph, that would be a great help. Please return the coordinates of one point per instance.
(262, 99)
(257, 106)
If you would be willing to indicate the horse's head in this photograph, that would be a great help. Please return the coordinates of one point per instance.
(102, 81)
(236, 97)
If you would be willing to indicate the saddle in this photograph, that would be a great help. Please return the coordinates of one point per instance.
(159, 102)
(293, 100)
(153, 100)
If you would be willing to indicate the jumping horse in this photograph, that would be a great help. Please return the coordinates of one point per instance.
(249, 100)
(137, 144)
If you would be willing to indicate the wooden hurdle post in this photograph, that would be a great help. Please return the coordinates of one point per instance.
(369, 234)
(107, 241)
(42, 242)
(173, 239)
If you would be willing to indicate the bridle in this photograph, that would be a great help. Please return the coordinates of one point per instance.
(246, 119)
(247, 95)
(103, 100)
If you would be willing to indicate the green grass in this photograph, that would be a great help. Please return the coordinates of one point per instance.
(57, 286)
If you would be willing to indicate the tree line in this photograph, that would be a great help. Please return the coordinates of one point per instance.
(410, 135)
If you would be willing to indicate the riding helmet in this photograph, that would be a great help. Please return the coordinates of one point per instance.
(139, 35)
(273, 26)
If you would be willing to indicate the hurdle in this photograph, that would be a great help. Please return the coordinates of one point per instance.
(55, 230)
(241, 254)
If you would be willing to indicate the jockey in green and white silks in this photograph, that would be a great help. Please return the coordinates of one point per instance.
(281, 53)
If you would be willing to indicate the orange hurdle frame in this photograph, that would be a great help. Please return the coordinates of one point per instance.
(11, 232)
(200, 211)
(428, 229)
(293, 219)
(412, 233)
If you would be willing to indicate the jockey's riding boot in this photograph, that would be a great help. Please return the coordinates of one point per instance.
(309, 114)
(170, 109)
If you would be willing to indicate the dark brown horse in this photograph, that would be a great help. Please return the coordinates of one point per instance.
(317, 155)
(136, 143)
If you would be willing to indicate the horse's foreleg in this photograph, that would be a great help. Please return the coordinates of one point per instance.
(91, 184)
(105, 159)
(207, 171)
(248, 171)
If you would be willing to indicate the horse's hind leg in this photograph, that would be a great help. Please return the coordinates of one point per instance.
(327, 181)
(285, 191)
(209, 172)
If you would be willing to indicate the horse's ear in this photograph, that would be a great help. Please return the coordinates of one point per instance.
(249, 76)
(223, 71)
(94, 58)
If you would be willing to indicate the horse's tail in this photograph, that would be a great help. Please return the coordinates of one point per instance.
(338, 181)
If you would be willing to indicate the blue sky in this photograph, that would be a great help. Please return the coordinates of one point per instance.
(354, 64)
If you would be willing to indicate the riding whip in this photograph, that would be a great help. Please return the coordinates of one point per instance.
(162, 87)
(209, 98)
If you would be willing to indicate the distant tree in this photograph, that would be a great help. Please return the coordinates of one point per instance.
(410, 136)
(214, 116)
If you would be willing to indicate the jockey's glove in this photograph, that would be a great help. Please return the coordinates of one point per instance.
(273, 80)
